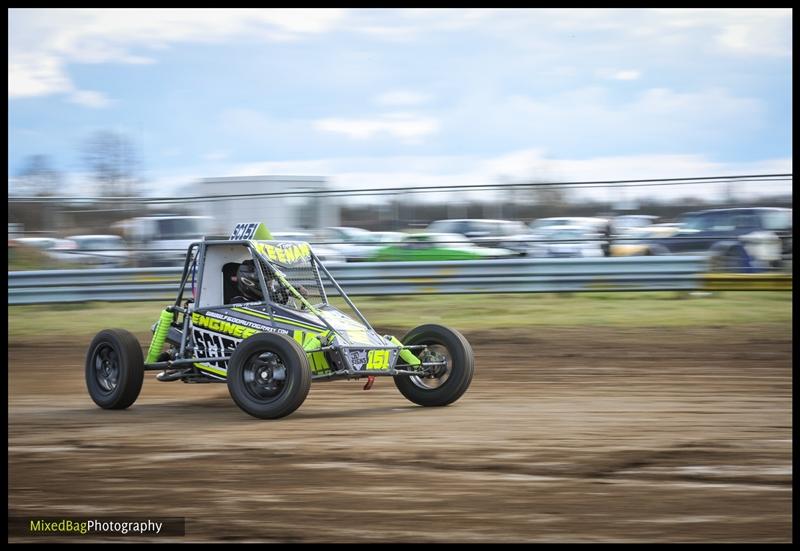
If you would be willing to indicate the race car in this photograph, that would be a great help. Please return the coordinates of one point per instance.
(259, 319)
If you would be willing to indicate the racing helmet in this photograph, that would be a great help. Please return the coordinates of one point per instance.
(247, 281)
(248, 284)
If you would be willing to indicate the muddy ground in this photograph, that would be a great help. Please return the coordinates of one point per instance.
(577, 435)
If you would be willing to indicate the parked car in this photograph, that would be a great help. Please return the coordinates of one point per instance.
(736, 239)
(43, 249)
(41, 243)
(566, 242)
(326, 255)
(355, 244)
(631, 243)
(626, 223)
(163, 240)
(98, 251)
(483, 232)
(594, 223)
(437, 246)
(389, 236)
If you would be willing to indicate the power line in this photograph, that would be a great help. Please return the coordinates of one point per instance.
(600, 184)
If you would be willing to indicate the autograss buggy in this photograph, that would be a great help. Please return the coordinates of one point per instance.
(269, 350)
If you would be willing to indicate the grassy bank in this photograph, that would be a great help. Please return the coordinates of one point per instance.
(27, 258)
(466, 312)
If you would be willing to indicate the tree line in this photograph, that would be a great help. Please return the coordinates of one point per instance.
(110, 158)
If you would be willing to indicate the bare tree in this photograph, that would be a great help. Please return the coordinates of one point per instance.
(549, 195)
(112, 159)
(38, 177)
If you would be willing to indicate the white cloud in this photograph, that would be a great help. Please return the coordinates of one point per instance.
(591, 118)
(738, 31)
(408, 128)
(401, 98)
(627, 75)
(585, 121)
(218, 155)
(88, 98)
(524, 165)
(32, 75)
(624, 74)
(753, 31)
(752, 40)
(42, 42)
(511, 166)
(410, 24)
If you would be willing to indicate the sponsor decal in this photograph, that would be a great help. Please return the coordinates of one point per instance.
(213, 345)
(217, 334)
(285, 253)
(235, 327)
(371, 359)
(359, 359)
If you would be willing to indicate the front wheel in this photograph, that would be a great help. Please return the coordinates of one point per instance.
(269, 376)
(446, 384)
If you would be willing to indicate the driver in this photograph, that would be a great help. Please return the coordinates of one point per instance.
(246, 280)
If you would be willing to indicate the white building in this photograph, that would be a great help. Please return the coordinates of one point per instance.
(299, 212)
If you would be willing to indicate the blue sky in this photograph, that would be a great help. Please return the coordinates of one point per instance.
(405, 97)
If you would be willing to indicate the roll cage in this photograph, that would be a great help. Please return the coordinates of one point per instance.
(195, 264)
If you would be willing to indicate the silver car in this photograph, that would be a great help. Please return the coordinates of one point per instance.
(99, 251)
(566, 242)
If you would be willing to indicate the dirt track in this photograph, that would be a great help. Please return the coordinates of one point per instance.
(581, 435)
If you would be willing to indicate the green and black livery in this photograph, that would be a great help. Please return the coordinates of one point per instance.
(269, 351)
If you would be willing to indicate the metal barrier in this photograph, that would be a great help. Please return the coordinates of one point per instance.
(393, 278)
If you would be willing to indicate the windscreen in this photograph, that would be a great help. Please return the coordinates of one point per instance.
(777, 220)
(545, 222)
(179, 228)
(303, 273)
(694, 222)
(454, 239)
(99, 244)
(293, 260)
(561, 235)
(447, 226)
(357, 235)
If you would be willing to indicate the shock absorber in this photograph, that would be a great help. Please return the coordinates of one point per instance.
(159, 336)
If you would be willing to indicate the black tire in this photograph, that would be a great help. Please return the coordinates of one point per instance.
(114, 369)
(657, 250)
(732, 260)
(252, 372)
(461, 365)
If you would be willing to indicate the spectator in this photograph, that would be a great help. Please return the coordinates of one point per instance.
(606, 233)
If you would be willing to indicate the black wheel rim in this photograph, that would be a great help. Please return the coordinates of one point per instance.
(106, 365)
(733, 262)
(435, 352)
(265, 376)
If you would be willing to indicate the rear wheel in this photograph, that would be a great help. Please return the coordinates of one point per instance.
(269, 376)
(447, 383)
(114, 369)
(732, 260)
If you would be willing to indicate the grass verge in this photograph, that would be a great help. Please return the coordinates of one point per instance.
(465, 312)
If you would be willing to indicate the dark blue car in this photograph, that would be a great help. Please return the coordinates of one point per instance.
(736, 239)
